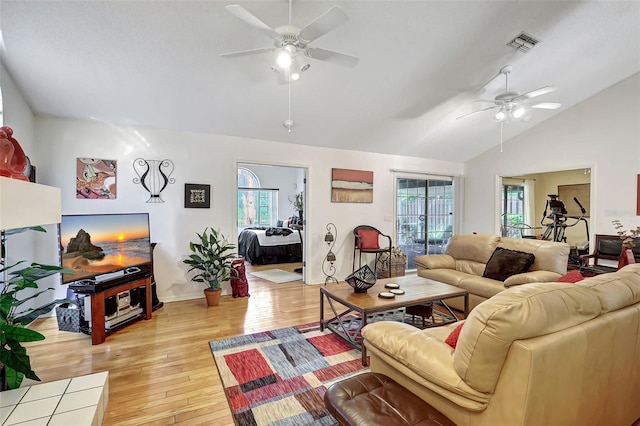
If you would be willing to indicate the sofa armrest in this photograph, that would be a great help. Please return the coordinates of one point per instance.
(424, 354)
(435, 261)
(531, 277)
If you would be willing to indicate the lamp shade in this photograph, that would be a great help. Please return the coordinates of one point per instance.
(24, 204)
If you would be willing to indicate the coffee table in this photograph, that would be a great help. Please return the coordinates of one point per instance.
(418, 291)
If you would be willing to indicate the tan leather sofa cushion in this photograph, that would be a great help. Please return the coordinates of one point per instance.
(485, 287)
(474, 247)
(519, 312)
(618, 290)
(447, 276)
(550, 256)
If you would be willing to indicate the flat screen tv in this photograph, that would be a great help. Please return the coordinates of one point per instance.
(96, 244)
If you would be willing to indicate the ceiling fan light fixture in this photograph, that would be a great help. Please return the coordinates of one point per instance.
(519, 112)
(301, 63)
(285, 56)
(501, 115)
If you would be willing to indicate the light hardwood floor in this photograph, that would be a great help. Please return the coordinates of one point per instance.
(162, 371)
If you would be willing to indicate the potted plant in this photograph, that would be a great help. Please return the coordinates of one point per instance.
(211, 256)
(298, 204)
(14, 360)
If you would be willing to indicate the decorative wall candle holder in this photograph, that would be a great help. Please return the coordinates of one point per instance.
(154, 176)
(328, 267)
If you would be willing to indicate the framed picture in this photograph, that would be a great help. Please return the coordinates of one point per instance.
(351, 186)
(197, 196)
(95, 179)
(582, 192)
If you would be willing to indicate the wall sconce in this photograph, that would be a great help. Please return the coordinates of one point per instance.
(154, 176)
(327, 264)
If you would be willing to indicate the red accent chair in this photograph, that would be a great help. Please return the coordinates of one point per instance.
(367, 240)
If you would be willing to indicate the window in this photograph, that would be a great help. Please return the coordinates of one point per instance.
(512, 211)
(256, 206)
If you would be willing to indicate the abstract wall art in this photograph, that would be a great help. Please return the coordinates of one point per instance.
(351, 186)
(95, 179)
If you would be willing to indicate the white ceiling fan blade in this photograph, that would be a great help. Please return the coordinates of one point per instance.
(547, 105)
(494, 101)
(247, 52)
(333, 57)
(324, 23)
(538, 92)
(476, 112)
(250, 19)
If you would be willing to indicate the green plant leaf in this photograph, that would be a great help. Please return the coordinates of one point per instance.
(32, 315)
(13, 377)
(17, 333)
(17, 359)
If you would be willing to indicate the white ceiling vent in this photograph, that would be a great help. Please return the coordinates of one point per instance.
(523, 42)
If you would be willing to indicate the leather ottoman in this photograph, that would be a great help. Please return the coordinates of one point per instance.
(374, 399)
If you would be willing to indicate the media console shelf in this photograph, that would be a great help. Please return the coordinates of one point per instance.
(110, 288)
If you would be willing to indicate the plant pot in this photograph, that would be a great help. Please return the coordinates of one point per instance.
(212, 296)
(301, 216)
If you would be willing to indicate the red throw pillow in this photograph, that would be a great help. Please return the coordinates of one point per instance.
(571, 277)
(452, 338)
(368, 239)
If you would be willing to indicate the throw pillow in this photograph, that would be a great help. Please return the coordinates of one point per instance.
(504, 263)
(571, 277)
(452, 338)
(368, 239)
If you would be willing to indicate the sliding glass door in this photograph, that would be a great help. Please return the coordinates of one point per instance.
(424, 216)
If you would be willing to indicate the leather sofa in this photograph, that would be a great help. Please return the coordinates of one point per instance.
(466, 259)
(539, 354)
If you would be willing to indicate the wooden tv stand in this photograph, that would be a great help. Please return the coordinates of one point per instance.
(100, 291)
(98, 331)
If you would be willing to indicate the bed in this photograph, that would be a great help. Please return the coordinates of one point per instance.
(263, 246)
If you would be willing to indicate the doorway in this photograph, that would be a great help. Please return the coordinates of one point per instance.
(527, 206)
(267, 198)
(424, 215)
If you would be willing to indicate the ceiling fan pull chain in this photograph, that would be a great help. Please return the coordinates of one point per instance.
(501, 127)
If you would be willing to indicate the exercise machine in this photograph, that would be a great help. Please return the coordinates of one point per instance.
(559, 220)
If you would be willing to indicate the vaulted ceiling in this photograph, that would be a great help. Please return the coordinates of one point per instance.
(422, 64)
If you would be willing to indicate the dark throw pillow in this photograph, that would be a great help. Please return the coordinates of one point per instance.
(504, 263)
(571, 277)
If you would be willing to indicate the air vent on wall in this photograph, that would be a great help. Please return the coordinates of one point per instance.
(523, 42)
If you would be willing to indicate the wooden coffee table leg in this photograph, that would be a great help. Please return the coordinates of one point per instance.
(321, 311)
(466, 305)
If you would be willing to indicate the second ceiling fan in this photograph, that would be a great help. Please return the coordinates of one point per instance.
(293, 43)
(512, 105)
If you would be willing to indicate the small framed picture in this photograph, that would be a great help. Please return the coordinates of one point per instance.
(197, 196)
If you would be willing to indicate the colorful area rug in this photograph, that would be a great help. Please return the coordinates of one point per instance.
(279, 377)
(277, 276)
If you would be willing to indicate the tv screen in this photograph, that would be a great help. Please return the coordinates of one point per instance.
(95, 244)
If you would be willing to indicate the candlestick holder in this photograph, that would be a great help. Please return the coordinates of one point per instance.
(328, 267)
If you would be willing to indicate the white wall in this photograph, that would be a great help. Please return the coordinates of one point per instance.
(16, 112)
(30, 246)
(213, 159)
(601, 133)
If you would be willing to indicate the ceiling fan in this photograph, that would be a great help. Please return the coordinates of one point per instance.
(293, 43)
(512, 105)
